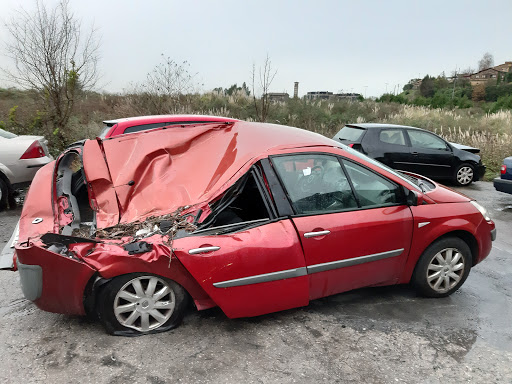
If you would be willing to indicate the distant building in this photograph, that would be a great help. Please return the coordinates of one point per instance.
(347, 96)
(506, 67)
(484, 76)
(275, 96)
(322, 95)
(490, 74)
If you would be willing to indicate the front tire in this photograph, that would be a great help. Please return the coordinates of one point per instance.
(139, 303)
(464, 174)
(442, 268)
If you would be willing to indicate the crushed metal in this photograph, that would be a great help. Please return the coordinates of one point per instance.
(166, 225)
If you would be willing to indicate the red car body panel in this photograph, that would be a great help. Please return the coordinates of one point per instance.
(278, 249)
(215, 156)
(121, 125)
(156, 172)
(64, 279)
(102, 191)
(375, 231)
(38, 204)
(442, 220)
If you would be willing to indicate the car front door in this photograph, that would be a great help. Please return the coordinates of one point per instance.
(431, 156)
(354, 229)
(248, 260)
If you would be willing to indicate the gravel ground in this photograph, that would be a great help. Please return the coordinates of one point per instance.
(374, 335)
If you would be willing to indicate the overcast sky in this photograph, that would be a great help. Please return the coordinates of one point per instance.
(332, 46)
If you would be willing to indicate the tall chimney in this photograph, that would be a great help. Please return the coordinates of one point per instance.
(296, 90)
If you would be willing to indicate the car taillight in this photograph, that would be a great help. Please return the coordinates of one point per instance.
(351, 145)
(35, 150)
(503, 169)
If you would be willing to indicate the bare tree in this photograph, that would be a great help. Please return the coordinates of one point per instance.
(53, 55)
(487, 61)
(265, 77)
(167, 84)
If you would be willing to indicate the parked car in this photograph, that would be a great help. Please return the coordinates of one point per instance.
(253, 218)
(415, 150)
(504, 182)
(118, 127)
(20, 158)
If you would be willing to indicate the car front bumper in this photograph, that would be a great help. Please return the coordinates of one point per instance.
(503, 185)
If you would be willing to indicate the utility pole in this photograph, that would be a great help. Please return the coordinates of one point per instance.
(454, 81)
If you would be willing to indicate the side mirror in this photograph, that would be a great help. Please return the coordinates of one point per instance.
(414, 198)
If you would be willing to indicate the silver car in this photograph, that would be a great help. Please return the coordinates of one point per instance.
(20, 158)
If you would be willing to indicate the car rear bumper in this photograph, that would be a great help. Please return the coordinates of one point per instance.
(54, 282)
(503, 185)
(480, 171)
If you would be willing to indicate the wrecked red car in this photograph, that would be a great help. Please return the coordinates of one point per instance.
(253, 218)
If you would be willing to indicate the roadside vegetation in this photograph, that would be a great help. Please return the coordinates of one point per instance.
(489, 131)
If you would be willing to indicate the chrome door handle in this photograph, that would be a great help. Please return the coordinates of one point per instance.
(314, 234)
(196, 251)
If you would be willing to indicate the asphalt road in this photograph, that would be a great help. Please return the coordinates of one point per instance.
(375, 335)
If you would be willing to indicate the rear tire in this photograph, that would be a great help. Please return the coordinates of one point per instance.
(4, 195)
(138, 303)
(442, 268)
(464, 174)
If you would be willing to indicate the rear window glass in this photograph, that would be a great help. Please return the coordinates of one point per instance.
(7, 135)
(350, 134)
(144, 127)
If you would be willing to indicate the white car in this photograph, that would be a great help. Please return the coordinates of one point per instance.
(20, 158)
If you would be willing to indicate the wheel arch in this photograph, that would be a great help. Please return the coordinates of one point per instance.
(465, 236)
(177, 273)
(468, 238)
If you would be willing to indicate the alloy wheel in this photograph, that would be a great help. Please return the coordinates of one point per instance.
(465, 175)
(445, 270)
(144, 303)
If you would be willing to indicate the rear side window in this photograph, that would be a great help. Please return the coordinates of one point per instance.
(350, 134)
(6, 135)
(392, 136)
(144, 127)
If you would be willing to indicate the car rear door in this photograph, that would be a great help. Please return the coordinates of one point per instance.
(392, 148)
(354, 230)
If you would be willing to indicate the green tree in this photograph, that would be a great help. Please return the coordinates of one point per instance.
(427, 87)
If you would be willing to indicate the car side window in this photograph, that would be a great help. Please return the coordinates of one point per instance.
(426, 140)
(315, 183)
(392, 136)
(372, 190)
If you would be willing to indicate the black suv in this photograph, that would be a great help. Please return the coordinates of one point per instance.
(414, 150)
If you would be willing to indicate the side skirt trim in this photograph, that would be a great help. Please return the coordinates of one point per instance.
(302, 271)
(353, 261)
(280, 275)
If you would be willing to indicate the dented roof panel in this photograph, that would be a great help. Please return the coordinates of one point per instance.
(156, 172)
